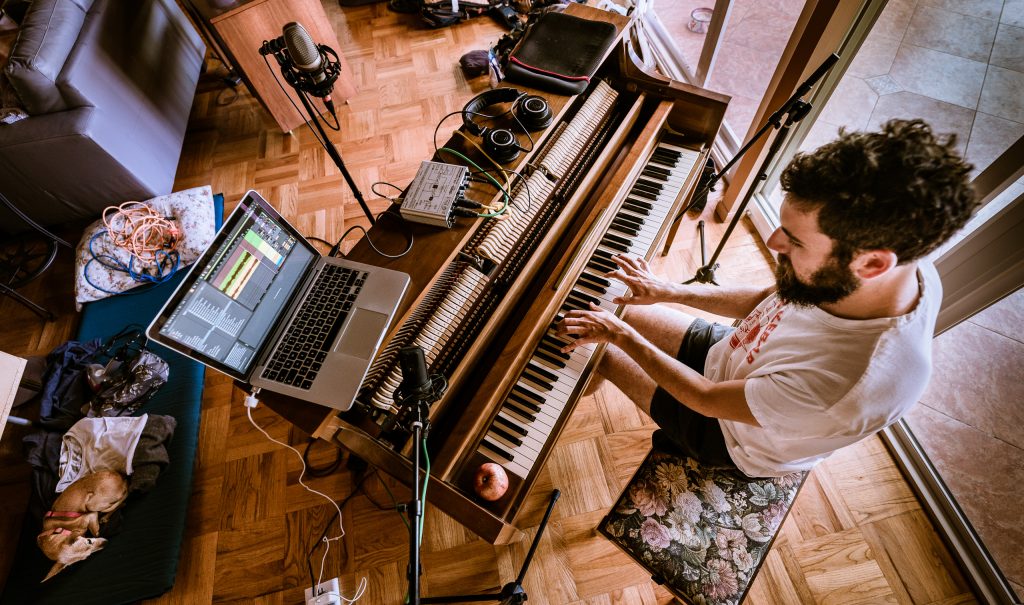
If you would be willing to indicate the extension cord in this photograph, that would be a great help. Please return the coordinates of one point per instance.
(328, 593)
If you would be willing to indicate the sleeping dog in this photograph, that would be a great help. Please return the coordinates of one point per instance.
(79, 510)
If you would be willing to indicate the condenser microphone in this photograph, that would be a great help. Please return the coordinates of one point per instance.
(308, 58)
(415, 381)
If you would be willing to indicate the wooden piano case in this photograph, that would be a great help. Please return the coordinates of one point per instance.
(523, 289)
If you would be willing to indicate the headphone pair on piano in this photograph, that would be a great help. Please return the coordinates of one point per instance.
(532, 112)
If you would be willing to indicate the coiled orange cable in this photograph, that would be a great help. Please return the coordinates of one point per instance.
(141, 230)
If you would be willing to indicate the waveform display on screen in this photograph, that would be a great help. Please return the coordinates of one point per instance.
(249, 269)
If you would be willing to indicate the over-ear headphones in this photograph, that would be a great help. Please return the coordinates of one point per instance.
(501, 144)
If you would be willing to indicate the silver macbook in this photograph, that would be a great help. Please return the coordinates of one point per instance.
(263, 306)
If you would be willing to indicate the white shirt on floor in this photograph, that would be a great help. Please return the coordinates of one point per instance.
(94, 444)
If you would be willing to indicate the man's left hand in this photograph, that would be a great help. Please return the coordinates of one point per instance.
(594, 326)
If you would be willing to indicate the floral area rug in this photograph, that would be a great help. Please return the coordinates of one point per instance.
(701, 532)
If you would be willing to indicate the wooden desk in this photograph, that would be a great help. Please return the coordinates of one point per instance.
(240, 29)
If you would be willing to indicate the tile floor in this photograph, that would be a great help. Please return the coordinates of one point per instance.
(958, 64)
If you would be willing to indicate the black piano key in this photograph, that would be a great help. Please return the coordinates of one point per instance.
(604, 259)
(666, 154)
(601, 265)
(587, 298)
(596, 279)
(537, 382)
(644, 194)
(615, 246)
(533, 408)
(550, 376)
(554, 348)
(640, 203)
(499, 451)
(501, 432)
(574, 305)
(531, 416)
(649, 185)
(509, 425)
(527, 396)
(627, 205)
(617, 239)
(656, 172)
(624, 228)
(633, 221)
(558, 363)
(583, 282)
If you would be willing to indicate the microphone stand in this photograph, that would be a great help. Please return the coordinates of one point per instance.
(413, 389)
(415, 505)
(795, 109)
(301, 82)
(513, 592)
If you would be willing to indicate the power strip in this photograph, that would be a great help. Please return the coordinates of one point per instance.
(327, 593)
(432, 195)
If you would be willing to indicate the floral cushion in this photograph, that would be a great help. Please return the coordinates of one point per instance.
(191, 209)
(702, 532)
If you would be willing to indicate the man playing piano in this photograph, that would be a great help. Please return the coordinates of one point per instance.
(836, 349)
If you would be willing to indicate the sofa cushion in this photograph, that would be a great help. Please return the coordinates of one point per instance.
(45, 40)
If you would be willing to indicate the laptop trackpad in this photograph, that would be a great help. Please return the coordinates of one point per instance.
(363, 333)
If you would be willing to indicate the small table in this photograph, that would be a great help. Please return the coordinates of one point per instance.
(239, 29)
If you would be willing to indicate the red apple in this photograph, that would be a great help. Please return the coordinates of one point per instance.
(490, 482)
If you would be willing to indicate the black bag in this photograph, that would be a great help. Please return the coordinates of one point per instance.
(560, 53)
(131, 376)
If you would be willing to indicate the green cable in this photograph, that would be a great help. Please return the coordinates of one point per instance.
(426, 480)
(505, 194)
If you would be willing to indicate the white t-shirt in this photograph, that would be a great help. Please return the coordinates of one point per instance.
(816, 382)
(95, 444)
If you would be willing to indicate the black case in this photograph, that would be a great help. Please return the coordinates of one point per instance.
(560, 53)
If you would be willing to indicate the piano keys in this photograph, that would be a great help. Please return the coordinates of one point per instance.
(550, 379)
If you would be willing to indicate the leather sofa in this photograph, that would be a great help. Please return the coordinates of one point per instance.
(108, 86)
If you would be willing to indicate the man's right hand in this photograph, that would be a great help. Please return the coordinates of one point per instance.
(645, 288)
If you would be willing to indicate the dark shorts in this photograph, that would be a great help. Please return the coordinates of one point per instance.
(684, 431)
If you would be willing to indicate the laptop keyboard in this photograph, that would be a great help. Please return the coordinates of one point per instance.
(299, 356)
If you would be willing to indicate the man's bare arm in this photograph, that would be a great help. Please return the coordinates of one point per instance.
(646, 288)
(726, 400)
(729, 301)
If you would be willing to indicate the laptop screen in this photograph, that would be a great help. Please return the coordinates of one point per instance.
(233, 297)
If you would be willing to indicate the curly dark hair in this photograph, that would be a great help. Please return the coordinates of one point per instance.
(901, 189)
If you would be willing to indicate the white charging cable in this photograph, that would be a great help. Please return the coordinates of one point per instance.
(251, 401)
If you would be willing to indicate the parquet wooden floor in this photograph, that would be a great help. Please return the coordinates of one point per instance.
(856, 534)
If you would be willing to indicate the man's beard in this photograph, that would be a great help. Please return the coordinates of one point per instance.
(831, 283)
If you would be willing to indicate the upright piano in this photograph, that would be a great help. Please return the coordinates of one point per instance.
(617, 163)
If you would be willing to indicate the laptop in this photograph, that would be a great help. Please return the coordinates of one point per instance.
(265, 307)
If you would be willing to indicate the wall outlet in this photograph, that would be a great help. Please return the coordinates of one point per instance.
(327, 593)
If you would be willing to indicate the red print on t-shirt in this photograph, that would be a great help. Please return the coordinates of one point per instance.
(756, 328)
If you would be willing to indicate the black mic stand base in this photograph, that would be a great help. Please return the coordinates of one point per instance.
(706, 273)
(513, 592)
